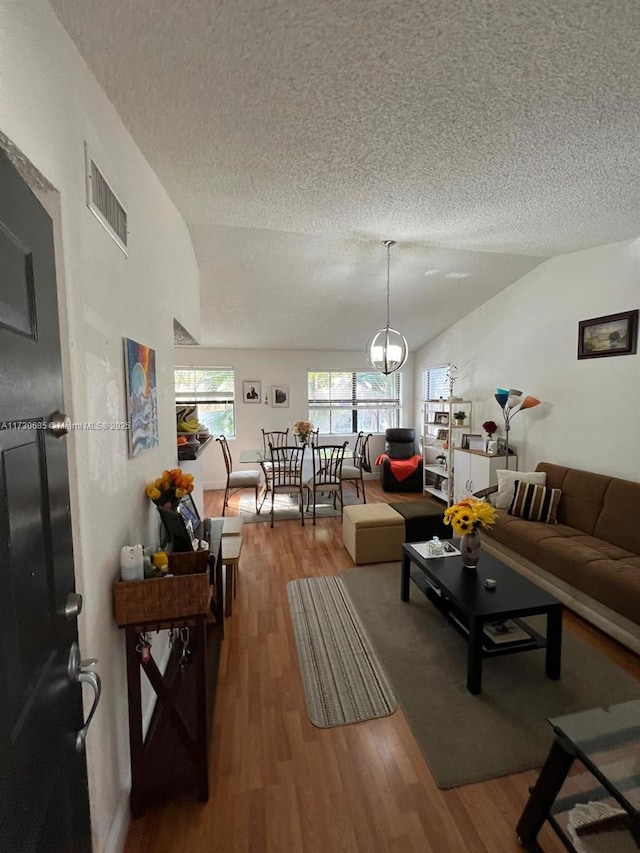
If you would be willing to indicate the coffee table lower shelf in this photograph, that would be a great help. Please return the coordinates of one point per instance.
(489, 648)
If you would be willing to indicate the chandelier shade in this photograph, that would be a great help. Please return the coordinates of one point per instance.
(388, 349)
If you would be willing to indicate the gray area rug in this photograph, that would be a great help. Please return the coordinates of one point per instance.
(342, 677)
(286, 508)
(467, 738)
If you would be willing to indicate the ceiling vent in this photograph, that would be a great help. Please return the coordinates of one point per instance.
(104, 204)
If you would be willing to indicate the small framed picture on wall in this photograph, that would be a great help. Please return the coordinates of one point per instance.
(251, 391)
(280, 396)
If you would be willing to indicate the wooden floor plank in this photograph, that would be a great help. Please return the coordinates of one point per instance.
(280, 784)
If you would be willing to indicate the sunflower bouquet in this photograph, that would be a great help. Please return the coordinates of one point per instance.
(470, 514)
(169, 489)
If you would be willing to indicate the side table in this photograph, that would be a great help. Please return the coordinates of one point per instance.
(174, 755)
(594, 760)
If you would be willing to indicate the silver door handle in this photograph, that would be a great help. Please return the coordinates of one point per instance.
(93, 679)
(77, 674)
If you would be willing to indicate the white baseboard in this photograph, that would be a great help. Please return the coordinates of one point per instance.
(117, 837)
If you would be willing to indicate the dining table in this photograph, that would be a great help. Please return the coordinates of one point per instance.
(256, 456)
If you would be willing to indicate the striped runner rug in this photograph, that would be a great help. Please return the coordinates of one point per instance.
(343, 679)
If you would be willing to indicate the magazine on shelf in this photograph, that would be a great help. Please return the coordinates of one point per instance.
(422, 549)
(505, 632)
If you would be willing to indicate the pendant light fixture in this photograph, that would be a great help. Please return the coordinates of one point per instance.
(388, 350)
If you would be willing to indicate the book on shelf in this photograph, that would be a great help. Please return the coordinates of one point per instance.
(505, 632)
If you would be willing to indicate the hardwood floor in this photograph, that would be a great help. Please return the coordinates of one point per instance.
(279, 784)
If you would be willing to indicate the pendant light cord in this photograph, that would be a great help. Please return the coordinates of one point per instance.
(388, 244)
(388, 268)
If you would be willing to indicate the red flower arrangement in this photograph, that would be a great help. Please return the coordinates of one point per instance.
(490, 427)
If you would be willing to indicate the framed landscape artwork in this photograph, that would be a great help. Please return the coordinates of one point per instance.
(280, 396)
(251, 391)
(615, 334)
(142, 396)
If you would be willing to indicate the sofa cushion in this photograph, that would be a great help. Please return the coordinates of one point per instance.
(535, 503)
(506, 481)
(619, 519)
(582, 495)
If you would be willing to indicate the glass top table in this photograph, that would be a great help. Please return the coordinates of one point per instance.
(594, 763)
(253, 456)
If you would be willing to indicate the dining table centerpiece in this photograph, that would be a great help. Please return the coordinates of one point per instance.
(303, 429)
(467, 518)
(168, 490)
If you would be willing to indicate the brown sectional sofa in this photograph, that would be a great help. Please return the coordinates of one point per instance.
(590, 559)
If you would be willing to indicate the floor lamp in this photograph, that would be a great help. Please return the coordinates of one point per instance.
(512, 402)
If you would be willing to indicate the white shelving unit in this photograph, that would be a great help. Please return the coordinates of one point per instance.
(439, 488)
(440, 429)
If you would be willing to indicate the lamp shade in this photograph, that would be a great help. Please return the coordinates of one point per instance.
(502, 397)
(530, 402)
(388, 350)
(513, 401)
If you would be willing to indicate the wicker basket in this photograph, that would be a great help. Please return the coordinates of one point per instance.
(160, 599)
(188, 562)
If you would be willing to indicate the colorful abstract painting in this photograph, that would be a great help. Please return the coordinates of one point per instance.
(142, 396)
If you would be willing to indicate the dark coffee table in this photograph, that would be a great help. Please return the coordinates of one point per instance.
(460, 594)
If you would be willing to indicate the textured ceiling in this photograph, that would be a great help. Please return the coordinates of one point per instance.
(481, 135)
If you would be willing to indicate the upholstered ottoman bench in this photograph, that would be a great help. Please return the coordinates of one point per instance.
(372, 533)
(423, 519)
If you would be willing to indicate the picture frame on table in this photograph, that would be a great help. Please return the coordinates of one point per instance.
(251, 391)
(280, 396)
(441, 418)
(614, 334)
(472, 441)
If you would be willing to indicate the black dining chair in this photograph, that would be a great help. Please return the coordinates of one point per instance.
(286, 474)
(353, 470)
(237, 480)
(327, 474)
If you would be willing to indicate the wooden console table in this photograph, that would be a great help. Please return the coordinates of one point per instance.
(175, 753)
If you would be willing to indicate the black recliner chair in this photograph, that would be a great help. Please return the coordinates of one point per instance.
(400, 444)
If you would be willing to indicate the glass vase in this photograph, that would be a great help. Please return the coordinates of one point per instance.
(470, 549)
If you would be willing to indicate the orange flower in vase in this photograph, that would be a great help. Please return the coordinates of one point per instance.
(169, 489)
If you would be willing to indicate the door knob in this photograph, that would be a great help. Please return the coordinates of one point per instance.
(58, 424)
(73, 606)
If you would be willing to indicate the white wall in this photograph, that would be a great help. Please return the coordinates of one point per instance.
(273, 367)
(50, 104)
(527, 337)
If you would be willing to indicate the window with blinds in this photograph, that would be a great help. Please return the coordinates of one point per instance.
(348, 401)
(435, 383)
(211, 389)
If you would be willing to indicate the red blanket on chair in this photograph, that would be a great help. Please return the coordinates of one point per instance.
(401, 468)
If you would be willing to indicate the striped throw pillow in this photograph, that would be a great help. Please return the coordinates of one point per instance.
(535, 503)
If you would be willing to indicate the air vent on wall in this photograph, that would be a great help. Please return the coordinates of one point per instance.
(104, 204)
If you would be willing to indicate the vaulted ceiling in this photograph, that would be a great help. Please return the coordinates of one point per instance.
(482, 135)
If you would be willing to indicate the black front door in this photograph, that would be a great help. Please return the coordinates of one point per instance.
(44, 804)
